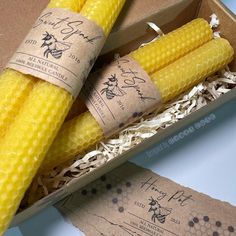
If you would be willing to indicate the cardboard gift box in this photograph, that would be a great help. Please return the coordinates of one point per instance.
(130, 31)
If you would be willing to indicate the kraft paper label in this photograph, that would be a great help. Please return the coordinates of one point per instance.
(134, 201)
(119, 94)
(61, 48)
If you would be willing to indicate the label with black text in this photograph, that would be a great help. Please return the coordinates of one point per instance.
(134, 201)
(119, 94)
(61, 48)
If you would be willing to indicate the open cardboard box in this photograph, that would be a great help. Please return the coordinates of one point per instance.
(129, 32)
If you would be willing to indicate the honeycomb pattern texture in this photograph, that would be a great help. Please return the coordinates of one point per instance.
(75, 136)
(111, 190)
(103, 12)
(25, 144)
(174, 45)
(160, 53)
(170, 81)
(72, 5)
(15, 87)
(192, 68)
(200, 224)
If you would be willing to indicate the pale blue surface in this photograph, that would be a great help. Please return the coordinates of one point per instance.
(48, 223)
(13, 232)
(204, 161)
(231, 4)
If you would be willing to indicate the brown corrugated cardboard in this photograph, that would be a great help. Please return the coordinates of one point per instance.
(132, 30)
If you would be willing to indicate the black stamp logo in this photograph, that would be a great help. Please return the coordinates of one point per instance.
(159, 213)
(53, 47)
(112, 88)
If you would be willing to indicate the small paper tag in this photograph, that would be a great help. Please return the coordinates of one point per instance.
(61, 48)
(119, 94)
(132, 200)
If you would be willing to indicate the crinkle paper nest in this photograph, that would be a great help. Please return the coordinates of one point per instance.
(199, 96)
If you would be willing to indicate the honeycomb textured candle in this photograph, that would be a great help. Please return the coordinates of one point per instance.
(103, 12)
(172, 46)
(165, 50)
(24, 145)
(14, 86)
(71, 5)
(14, 89)
(83, 131)
(151, 57)
(192, 68)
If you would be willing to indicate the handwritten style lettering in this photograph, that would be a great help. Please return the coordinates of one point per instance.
(132, 80)
(67, 27)
(181, 197)
(150, 184)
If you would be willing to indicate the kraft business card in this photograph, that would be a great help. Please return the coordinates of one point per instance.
(134, 201)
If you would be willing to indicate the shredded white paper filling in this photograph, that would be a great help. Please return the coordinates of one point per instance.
(199, 96)
(158, 30)
(215, 22)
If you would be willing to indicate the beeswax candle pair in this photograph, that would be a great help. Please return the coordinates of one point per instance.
(15, 86)
(32, 112)
(175, 63)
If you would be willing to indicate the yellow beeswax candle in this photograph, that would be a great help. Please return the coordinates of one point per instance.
(173, 45)
(162, 52)
(151, 57)
(71, 5)
(83, 131)
(25, 144)
(15, 86)
(103, 12)
(14, 89)
(192, 68)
